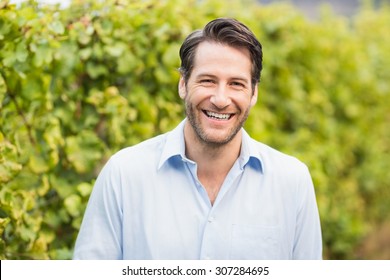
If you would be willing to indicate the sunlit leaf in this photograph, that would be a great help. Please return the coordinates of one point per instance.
(57, 27)
(73, 205)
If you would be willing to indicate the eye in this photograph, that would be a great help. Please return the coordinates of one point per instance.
(207, 82)
(237, 85)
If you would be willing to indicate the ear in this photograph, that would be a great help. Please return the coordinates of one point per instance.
(182, 88)
(254, 96)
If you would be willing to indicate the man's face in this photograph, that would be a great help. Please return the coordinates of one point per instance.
(218, 94)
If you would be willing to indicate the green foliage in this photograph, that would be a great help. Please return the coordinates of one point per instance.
(78, 84)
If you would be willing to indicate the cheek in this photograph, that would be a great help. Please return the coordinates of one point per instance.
(243, 101)
(197, 95)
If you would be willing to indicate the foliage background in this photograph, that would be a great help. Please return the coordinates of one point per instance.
(77, 84)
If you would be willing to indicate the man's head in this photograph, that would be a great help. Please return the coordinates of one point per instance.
(220, 72)
(228, 32)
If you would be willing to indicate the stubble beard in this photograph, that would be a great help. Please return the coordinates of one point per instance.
(202, 135)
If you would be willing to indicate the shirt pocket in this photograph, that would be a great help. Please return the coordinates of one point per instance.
(253, 242)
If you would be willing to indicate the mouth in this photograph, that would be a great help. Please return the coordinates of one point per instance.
(217, 116)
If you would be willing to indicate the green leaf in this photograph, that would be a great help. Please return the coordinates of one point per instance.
(85, 53)
(38, 164)
(43, 55)
(8, 170)
(21, 52)
(83, 151)
(3, 223)
(9, 167)
(3, 90)
(9, 58)
(127, 62)
(96, 70)
(73, 205)
(116, 49)
(57, 27)
(84, 189)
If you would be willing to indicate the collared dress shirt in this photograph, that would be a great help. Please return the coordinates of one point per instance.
(148, 203)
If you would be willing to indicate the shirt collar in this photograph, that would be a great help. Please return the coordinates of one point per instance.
(175, 146)
(250, 153)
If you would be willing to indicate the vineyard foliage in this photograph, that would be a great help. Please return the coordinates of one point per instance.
(81, 82)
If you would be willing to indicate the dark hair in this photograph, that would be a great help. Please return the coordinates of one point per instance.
(226, 31)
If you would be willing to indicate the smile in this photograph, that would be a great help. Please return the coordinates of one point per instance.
(217, 116)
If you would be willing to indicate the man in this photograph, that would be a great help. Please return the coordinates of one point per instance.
(205, 190)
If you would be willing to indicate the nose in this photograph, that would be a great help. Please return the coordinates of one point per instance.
(220, 98)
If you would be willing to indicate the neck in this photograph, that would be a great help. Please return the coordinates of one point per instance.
(214, 161)
(211, 158)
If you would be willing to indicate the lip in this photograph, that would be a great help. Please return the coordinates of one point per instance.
(217, 117)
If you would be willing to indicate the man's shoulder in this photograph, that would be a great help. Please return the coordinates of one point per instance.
(149, 150)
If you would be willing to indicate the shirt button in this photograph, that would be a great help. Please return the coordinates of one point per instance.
(211, 219)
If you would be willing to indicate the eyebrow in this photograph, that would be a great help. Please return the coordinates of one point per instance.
(205, 75)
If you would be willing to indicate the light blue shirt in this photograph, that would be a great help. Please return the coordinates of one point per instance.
(148, 203)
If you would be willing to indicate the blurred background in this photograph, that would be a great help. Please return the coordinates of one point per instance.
(81, 79)
(311, 8)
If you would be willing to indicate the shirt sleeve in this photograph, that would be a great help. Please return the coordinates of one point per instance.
(308, 237)
(100, 235)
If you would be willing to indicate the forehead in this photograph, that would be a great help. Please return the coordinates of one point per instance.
(220, 58)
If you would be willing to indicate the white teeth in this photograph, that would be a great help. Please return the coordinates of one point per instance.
(218, 116)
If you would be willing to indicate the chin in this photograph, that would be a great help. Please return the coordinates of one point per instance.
(216, 139)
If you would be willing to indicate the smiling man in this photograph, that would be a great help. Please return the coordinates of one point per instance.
(218, 96)
(205, 190)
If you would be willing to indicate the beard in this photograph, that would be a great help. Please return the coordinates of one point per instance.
(207, 139)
